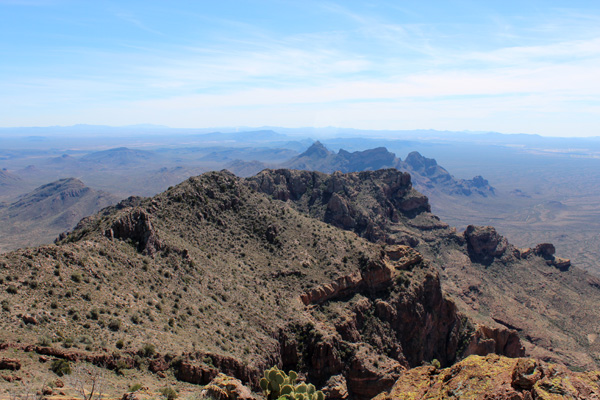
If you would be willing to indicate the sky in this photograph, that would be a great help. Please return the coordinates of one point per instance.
(506, 66)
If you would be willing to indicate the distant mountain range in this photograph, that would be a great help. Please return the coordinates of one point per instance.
(427, 176)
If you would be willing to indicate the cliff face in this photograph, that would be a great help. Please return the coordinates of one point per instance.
(369, 203)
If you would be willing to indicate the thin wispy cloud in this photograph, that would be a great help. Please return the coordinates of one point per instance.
(139, 24)
(384, 66)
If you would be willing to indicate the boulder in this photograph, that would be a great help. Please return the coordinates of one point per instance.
(336, 388)
(224, 387)
(484, 243)
(11, 364)
(545, 250)
(486, 340)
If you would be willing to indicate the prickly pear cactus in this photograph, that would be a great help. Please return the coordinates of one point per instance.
(277, 385)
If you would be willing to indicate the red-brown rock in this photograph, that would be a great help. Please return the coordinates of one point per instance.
(371, 374)
(488, 340)
(195, 373)
(11, 364)
(336, 388)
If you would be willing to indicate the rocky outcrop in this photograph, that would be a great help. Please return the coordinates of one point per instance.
(546, 251)
(364, 202)
(488, 340)
(429, 176)
(495, 377)
(370, 374)
(11, 364)
(374, 275)
(484, 244)
(136, 226)
(224, 387)
(200, 368)
(336, 388)
(199, 374)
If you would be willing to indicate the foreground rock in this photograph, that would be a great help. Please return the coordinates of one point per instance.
(495, 377)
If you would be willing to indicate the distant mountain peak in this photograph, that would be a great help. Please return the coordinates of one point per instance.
(317, 149)
(418, 161)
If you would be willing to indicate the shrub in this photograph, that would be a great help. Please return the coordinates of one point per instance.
(93, 314)
(135, 387)
(148, 350)
(120, 343)
(61, 367)
(45, 341)
(76, 277)
(11, 289)
(114, 325)
(168, 392)
(120, 367)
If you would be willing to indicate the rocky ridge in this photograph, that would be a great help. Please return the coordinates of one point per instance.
(325, 301)
(489, 278)
(345, 272)
(427, 176)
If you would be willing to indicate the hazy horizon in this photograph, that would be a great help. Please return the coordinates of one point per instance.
(508, 67)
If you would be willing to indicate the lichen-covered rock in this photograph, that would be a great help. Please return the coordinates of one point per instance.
(224, 387)
(495, 377)
(526, 373)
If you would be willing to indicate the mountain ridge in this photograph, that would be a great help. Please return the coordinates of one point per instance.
(340, 276)
(38, 216)
(427, 175)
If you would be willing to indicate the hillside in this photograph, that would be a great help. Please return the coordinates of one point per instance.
(338, 276)
(552, 306)
(120, 157)
(323, 300)
(41, 215)
(9, 183)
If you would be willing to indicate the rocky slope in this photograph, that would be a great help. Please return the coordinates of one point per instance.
(336, 276)
(221, 277)
(551, 305)
(9, 183)
(41, 215)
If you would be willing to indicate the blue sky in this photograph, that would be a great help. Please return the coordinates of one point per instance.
(507, 66)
